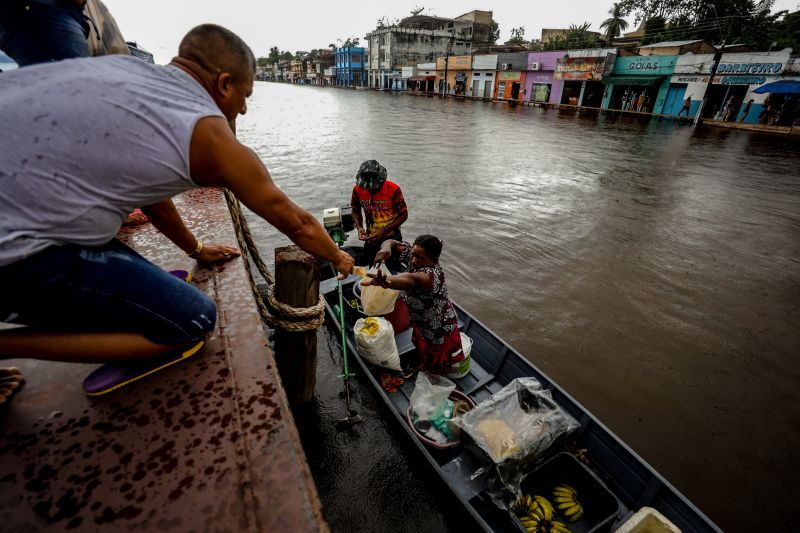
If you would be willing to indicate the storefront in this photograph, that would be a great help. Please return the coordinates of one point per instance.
(509, 83)
(484, 71)
(582, 72)
(731, 96)
(639, 83)
(457, 75)
(540, 84)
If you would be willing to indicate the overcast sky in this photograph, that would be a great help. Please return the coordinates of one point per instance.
(302, 25)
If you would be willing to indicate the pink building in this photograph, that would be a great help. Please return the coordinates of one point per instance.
(539, 83)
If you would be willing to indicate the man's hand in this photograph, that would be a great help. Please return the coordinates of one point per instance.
(362, 234)
(376, 235)
(343, 264)
(215, 253)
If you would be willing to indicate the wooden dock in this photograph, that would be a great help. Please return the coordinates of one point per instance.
(206, 445)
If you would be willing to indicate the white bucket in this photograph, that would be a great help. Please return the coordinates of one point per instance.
(461, 369)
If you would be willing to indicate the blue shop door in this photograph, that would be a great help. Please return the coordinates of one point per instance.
(674, 100)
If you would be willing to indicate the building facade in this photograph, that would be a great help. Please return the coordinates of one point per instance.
(738, 76)
(484, 72)
(509, 85)
(540, 83)
(639, 83)
(351, 66)
(582, 72)
(420, 39)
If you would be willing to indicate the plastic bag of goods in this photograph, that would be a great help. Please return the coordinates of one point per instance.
(375, 300)
(430, 404)
(520, 421)
(375, 342)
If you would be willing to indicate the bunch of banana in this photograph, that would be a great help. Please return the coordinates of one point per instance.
(566, 499)
(536, 514)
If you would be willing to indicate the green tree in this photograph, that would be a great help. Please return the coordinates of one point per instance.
(787, 32)
(494, 32)
(615, 24)
(655, 30)
(274, 54)
(576, 36)
(262, 61)
(517, 36)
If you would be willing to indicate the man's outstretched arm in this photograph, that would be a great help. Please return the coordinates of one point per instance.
(217, 159)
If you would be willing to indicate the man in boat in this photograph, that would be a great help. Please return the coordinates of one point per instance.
(83, 143)
(383, 205)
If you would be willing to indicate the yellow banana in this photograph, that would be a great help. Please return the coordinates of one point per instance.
(558, 527)
(569, 488)
(563, 499)
(573, 510)
(529, 523)
(545, 506)
(563, 493)
(577, 516)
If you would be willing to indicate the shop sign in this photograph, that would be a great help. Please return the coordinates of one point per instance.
(741, 80)
(724, 80)
(540, 77)
(461, 76)
(579, 68)
(509, 76)
(636, 65)
(749, 68)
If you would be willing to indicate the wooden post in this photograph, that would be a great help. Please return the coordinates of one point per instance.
(296, 284)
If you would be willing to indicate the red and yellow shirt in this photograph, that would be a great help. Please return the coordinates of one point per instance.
(380, 208)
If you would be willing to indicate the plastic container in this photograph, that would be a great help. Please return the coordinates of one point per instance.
(455, 396)
(461, 369)
(647, 520)
(600, 506)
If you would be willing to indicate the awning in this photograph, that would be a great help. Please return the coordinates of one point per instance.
(633, 80)
(422, 78)
(780, 87)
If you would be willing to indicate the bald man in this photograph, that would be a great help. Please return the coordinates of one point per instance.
(86, 141)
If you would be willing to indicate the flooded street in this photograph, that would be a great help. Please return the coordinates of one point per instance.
(651, 269)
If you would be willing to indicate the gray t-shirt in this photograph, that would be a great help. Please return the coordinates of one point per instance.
(85, 141)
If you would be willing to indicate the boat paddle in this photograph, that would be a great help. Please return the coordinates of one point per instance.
(352, 416)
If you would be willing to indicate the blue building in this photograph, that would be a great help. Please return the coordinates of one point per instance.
(351, 67)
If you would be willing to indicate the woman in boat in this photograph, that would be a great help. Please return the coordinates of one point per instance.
(434, 323)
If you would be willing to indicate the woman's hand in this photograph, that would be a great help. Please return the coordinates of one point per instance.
(362, 234)
(215, 253)
(381, 256)
(376, 278)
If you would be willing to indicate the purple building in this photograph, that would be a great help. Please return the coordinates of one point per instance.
(539, 83)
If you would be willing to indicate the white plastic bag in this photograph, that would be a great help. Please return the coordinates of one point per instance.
(375, 342)
(517, 422)
(376, 300)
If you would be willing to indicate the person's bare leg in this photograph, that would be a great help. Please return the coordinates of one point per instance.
(72, 347)
(10, 381)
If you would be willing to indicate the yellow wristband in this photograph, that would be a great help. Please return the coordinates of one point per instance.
(196, 250)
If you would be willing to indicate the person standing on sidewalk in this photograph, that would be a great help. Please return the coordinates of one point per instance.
(687, 104)
(746, 110)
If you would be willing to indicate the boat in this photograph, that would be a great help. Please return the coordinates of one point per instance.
(634, 484)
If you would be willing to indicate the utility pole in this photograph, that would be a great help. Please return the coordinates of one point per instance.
(446, 61)
(717, 57)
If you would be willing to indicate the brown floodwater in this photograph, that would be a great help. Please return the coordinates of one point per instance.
(652, 269)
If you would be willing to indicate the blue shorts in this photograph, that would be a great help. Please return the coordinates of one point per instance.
(41, 31)
(110, 288)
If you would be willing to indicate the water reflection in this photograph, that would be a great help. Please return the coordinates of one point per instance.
(650, 268)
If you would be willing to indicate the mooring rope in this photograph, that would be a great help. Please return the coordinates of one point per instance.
(276, 314)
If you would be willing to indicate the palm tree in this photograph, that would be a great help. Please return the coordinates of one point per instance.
(615, 24)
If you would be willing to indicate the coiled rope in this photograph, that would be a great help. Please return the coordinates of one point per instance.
(276, 314)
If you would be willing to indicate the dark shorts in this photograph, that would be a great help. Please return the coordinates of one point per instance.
(108, 288)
